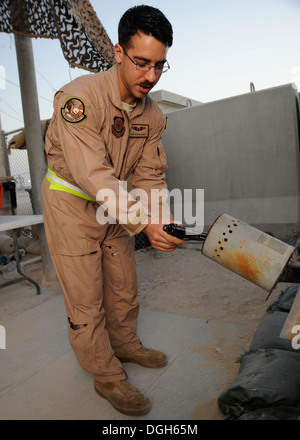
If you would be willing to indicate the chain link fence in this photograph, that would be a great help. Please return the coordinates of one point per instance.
(19, 170)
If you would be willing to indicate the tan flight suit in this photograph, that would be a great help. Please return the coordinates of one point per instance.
(93, 144)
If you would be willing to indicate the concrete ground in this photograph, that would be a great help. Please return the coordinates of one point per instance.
(199, 313)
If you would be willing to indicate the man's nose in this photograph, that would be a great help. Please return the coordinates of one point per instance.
(151, 75)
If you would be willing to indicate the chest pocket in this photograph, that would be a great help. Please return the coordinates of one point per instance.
(133, 154)
(108, 153)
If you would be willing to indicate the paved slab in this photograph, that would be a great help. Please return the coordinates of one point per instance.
(41, 379)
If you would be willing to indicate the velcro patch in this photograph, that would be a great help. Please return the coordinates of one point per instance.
(139, 131)
(74, 110)
(118, 127)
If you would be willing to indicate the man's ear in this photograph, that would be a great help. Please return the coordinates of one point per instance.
(118, 53)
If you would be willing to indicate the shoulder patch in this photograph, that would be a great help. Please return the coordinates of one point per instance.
(74, 110)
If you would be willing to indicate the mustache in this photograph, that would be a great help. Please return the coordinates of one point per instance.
(146, 84)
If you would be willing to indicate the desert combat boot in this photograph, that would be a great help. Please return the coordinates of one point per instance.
(124, 397)
(145, 357)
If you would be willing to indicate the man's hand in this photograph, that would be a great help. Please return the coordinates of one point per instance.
(160, 239)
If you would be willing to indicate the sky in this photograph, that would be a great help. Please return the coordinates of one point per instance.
(219, 48)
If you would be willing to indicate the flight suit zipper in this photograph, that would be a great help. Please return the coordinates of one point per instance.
(126, 117)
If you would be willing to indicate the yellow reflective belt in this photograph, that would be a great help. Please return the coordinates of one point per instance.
(59, 184)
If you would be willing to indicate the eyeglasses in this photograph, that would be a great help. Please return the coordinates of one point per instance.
(144, 67)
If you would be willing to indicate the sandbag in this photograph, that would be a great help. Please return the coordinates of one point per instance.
(272, 414)
(267, 378)
(285, 300)
(268, 332)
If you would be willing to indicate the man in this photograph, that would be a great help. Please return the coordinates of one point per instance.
(104, 129)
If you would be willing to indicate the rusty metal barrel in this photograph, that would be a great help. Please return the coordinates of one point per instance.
(247, 251)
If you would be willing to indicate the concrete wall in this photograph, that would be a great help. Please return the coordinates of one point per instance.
(244, 152)
(169, 101)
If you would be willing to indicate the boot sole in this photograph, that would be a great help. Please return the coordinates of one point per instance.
(129, 412)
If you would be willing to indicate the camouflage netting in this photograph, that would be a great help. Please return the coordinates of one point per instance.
(83, 39)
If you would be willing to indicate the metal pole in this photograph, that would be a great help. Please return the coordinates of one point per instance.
(34, 140)
(4, 162)
(4, 165)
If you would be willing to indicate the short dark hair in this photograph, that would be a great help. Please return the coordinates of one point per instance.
(147, 19)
